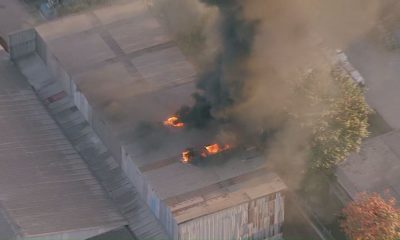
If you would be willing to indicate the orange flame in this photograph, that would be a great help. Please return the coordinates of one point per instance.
(214, 149)
(186, 156)
(174, 121)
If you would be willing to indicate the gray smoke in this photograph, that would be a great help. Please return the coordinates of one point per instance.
(267, 47)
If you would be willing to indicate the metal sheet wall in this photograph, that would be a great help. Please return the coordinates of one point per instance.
(224, 225)
(96, 120)
(22, 43)
(266, 216)
(158, 207)
(258, 219)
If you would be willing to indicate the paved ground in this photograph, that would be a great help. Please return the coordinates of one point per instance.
(297, 226)
(381, 70)
(376, 167)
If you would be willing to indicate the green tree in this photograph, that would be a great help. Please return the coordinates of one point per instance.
(342, 127)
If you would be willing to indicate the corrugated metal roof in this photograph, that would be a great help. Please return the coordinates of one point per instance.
(45, 187)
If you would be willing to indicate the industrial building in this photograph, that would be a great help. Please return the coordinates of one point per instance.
(124, 73)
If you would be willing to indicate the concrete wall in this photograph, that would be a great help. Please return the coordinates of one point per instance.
(22, 43)
(258, 219)
(98, 122)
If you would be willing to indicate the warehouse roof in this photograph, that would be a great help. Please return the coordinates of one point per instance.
(133, 74)
(46, 188)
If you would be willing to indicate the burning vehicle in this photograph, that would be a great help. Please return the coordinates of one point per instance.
(201, 152)
(213, 149)
(190, 155)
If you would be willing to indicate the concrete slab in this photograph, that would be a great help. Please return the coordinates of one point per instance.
(141, 32)
(121, 95)
(14, 16)
(121, 12)
(64, 27)
(165, 67)
(80, 51)
(104, 83)
(177, 178)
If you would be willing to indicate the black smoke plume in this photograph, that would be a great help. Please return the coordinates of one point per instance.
(221, 85)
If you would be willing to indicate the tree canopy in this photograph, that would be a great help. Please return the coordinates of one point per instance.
(342, 127)
(370, 217)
